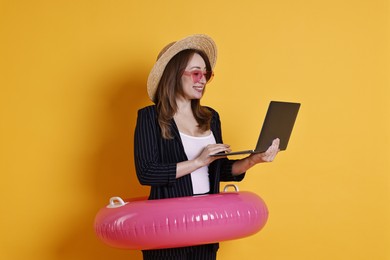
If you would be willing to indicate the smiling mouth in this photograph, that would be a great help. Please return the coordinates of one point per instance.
(199, 89)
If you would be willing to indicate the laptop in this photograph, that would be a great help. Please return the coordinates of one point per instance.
(278, 123)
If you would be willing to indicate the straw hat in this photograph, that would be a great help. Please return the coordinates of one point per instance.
(200, 42)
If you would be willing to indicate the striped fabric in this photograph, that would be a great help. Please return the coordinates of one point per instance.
(202, 252)
(155, 162)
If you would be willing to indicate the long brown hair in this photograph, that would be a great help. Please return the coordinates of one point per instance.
(170, 86)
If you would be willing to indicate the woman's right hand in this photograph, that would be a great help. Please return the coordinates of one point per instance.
(205, 159)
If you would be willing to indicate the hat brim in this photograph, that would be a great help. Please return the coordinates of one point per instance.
(199, 42)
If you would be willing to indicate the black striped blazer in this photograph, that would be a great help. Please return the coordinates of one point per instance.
(156, 158)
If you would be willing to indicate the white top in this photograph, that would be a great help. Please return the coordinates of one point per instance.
(193, 146)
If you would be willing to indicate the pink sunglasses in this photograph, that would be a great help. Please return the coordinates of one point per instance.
(197, 75)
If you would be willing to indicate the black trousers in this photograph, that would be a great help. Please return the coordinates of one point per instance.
(202, 252)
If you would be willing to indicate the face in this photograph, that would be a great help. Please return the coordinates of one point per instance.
(193, 89)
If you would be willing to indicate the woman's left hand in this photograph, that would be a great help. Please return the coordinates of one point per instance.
(241, 166)
(267, 156)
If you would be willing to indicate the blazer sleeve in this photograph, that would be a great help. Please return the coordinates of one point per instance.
(147, 139)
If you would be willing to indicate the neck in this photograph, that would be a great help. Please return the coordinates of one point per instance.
(183, 105)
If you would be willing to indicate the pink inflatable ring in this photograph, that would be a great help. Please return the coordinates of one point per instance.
(166, 223)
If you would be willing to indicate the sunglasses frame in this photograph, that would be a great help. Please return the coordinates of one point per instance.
(196, 78)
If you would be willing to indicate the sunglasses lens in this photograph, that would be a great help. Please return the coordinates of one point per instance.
(197, 76)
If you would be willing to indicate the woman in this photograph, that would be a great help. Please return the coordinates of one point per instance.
(175, 137)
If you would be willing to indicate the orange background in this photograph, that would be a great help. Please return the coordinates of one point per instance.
(73, 75)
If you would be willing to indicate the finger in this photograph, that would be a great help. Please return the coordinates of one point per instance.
(221, 150)
(213, 146)
(217, 148)
(273, 154)
(269, 155)
(273, 147)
